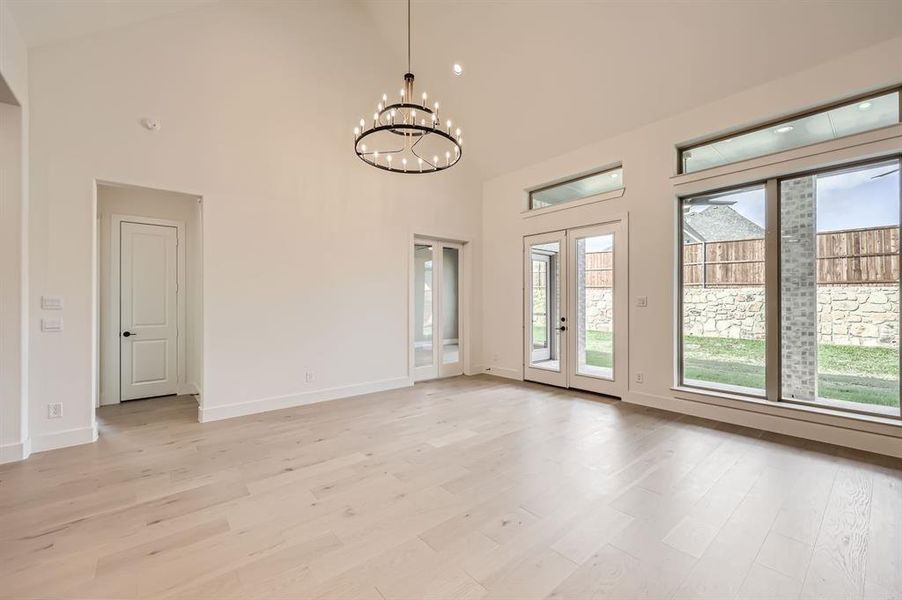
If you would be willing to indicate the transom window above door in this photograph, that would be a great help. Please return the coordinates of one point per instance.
(577, 188)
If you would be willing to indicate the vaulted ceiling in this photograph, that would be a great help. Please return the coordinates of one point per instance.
(544, 77)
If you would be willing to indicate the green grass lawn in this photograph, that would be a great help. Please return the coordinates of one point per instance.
(850, 373)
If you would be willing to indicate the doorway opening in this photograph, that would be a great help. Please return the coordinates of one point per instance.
(150, 280)
(437, 333)
(575, 308)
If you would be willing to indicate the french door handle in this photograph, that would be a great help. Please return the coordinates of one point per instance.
(128, 333)
(561, 328)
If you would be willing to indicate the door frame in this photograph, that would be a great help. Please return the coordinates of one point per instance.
(538, 374)
(567, 377)
(464, 247)
(110, 369)
(618, 384)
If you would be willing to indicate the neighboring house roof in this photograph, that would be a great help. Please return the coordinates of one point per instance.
(719, 223)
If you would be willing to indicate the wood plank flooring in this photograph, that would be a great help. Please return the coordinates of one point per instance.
(472, 487)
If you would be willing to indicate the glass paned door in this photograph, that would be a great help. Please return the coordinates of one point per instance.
(423, 286)
(546, 325)
(599, 301)
(449, 311)
(575, 308)
(436, 320)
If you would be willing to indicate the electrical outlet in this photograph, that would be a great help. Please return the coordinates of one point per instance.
(55, 410)
(309, 377)
(640, 377)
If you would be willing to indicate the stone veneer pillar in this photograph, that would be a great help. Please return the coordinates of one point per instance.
(798, 295)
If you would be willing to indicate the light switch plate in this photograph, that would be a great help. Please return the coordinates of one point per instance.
(51, 325)
(642, 301)
(51, 303)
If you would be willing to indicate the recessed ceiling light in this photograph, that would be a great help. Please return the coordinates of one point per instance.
(458, 70)
(864, 106)
(784, 129)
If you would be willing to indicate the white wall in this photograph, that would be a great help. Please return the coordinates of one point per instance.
(13, 243)
(649, 159)
(305, 248)
(143, 202)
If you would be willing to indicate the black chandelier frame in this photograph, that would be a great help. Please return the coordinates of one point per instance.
(384, 122)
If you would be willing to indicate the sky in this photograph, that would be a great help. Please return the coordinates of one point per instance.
(845, 200)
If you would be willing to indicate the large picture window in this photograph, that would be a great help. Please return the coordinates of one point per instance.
(834, 287)
(723, 299)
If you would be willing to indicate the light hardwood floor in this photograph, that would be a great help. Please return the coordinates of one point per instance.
(464, 488)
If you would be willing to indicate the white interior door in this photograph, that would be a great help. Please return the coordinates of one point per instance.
(575, 314)
(148, 312)
(545, 295)
(598, 306)
(437, 333)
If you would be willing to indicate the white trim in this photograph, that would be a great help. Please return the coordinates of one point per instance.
(797, 424)
(110, 368)
(64, 439)
(252, 407)
(854, 148)
(15, 452)
(537, 212)
(873, 423)
(464, 247)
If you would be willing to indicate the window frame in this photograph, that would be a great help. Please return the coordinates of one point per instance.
(530, 208)
(688, 147)
(773, 290)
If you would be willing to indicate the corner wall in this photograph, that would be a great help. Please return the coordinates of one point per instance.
(649, 159)
(14, 439)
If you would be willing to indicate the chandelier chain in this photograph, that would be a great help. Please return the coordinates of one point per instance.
(408, 36)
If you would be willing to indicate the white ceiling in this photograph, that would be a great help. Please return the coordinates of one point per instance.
(545, 77)
(43, 22)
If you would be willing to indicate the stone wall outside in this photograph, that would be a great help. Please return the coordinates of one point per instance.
(847, 314)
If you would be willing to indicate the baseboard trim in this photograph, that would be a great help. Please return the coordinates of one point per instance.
(64, 439)
(207, 414)
(783, 424)
(15, 452)
(504, 372)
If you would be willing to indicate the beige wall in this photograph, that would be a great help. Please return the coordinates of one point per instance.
(305, 248)
(14, 441)
(172, 206)
(649, 159)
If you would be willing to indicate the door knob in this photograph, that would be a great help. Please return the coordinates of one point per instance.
(127, 334)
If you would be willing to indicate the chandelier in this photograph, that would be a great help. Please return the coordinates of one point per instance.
(408, 136)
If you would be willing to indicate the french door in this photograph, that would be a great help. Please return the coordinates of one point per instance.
(576, 308)
(436, 341)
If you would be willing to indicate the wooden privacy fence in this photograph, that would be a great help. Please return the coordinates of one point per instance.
(599, 269)
(849, 257)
